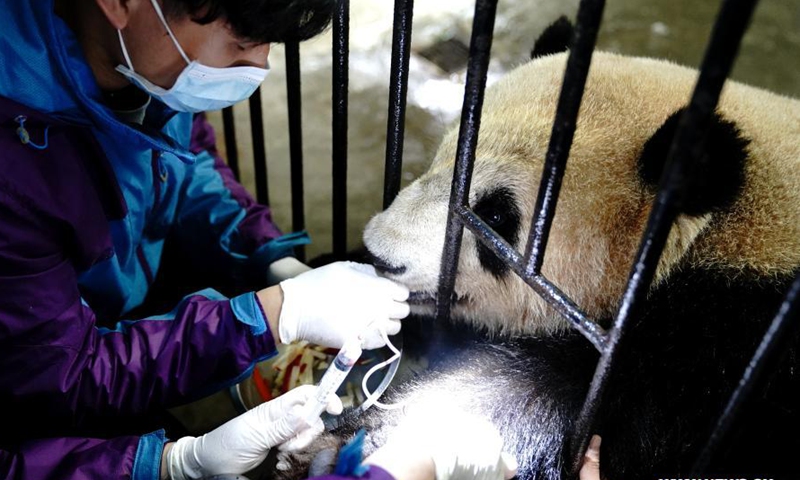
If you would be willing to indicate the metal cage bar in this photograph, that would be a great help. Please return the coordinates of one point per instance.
(768, 355)
(547, 290)
(231, 149)
(683, 154)
(398, 92)
(294, 104)
(589, 16)
(341, 39)
(477, 68)
(587, 25)
(259, 147)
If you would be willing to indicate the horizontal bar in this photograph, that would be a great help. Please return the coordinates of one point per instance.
(547, 290)
(477, 68)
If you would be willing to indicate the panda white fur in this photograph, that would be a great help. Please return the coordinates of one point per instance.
(728, 262)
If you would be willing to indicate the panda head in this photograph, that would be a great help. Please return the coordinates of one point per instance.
(630, 111)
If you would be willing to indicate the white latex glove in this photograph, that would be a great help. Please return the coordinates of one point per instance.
(242, 443)
(285, 268)
(334, 303)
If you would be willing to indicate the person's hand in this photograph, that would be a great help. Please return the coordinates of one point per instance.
(590, 470)
(456, 445)
(243, 443)
(332, 304)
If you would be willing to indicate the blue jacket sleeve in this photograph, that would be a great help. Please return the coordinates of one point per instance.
(55, 357)
(221, 221)
(56, 365)
(134, 458)
(55, 361)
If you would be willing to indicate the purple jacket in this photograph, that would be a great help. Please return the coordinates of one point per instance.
(88, 206)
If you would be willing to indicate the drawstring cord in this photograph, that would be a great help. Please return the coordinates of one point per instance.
(25, 137)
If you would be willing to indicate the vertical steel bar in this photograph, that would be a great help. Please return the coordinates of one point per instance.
(231, 149)
(766, 359)
(341, 38)
(684, 153)
(259, 147)
(294, 104)
(590, 12)
(479, 52)
(398, 91)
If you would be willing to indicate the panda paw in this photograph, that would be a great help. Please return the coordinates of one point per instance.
(319, 458)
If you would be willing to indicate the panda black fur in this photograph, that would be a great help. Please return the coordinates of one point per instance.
(664, 400)
(728, 263)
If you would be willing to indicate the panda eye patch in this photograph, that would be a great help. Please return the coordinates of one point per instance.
(498, 208)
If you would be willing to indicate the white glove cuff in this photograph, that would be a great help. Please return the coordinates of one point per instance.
(181, 461)
(285, 268)
(288, 320)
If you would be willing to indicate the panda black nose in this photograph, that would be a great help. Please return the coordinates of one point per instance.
(383, 266)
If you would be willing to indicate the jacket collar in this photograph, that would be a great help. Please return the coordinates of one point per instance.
(45, 69)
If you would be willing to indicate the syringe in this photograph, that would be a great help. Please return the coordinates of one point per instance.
(332, 379)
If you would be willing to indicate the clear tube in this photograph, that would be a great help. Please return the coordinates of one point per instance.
(372, 398)
(337, 372)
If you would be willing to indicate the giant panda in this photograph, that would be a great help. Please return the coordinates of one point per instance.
(729, 259)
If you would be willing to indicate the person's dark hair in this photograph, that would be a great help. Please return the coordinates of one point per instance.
(262, 21)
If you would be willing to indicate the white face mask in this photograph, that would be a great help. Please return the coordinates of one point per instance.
(198, 88)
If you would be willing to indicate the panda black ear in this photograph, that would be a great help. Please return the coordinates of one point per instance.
(715, 182)
(556, 38)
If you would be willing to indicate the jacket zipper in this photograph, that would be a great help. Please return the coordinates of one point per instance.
(160, 175)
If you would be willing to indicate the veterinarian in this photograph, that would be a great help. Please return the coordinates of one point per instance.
(117, 218)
